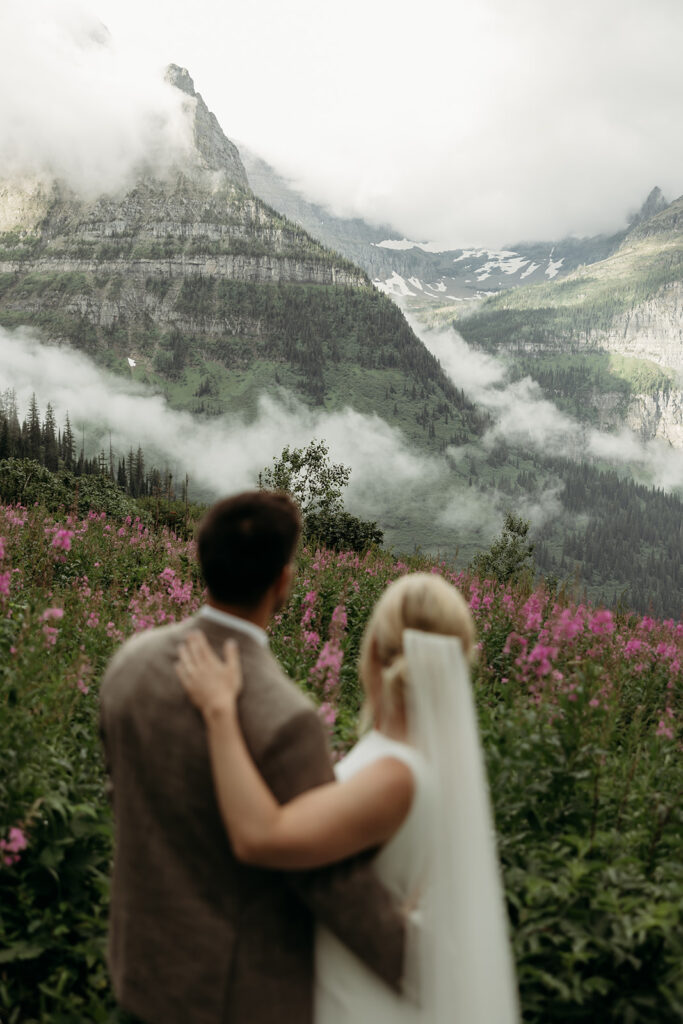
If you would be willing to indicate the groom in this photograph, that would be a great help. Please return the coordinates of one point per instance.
(196, 937)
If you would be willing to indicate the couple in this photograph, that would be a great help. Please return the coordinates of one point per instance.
(247, 886)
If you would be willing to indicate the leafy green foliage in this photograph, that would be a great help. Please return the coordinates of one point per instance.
(316, 485)
(579, 710)
(509, 559)
(26, 482)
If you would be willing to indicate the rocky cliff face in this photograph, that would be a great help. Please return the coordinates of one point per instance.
(651, 330)
(215, 151)
(655, 415)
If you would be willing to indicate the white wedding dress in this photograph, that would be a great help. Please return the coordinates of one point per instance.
(347, 992)
(444, 857)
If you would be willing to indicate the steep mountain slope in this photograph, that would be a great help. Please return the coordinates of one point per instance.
(215, 296)
(607, 341)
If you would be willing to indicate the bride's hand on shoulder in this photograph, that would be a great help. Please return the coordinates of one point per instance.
(212, 683)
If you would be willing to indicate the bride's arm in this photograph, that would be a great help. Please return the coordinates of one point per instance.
(319, 827)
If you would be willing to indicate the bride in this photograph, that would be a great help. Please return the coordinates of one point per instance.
(414, 786)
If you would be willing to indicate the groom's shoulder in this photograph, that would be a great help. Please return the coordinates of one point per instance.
(146, 647)
(270, 697)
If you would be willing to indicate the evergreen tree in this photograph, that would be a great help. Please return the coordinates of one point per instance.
(34, 433)
(50, 446)
(68, 445)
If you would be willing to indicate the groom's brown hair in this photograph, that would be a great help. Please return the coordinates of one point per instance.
(244, 542)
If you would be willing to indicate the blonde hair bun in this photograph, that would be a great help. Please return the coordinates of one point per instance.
(421, 601)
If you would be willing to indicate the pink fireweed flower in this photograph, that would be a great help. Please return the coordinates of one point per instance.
(309, 609)
(512, 639)
(338, 622)
(4, 583)
(13, 846)
(542, 656)
(647, 624)
(328, 666)
(632, 647)
(311, 639)
(602, 623)
(533, 612)
(568, 624)
(508, 603)
(50, 633)
(664, 731)
(62, 540)
(82, 687)
(51, 613)
(2, 548)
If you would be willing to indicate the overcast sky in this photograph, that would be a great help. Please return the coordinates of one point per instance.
(490, 121)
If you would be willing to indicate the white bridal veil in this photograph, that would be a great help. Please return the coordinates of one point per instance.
(464, 961)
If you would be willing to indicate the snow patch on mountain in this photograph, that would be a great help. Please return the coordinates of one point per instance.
(394, 285)
(400, 244)
(553, 266)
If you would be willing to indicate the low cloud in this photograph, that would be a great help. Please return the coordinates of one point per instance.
(523, 416)
(221, 455)
(76, 105)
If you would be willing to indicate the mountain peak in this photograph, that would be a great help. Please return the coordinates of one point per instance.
(215, 150)
(653, 205)
(180, 78)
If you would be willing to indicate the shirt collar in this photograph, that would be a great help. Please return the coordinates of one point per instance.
(234, 622)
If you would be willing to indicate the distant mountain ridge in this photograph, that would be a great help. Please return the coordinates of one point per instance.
(612, 329)
(429, 282)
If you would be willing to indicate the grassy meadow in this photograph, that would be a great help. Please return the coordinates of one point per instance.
(580, 714)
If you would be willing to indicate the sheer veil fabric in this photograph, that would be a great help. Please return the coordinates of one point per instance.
(461, 959)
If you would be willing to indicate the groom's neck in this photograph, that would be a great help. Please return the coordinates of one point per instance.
(260, 614)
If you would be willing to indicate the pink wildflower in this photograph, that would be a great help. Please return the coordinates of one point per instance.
(664, 730)
(339, 621)
(51, 613)
(568, 625)
(328, 666)
(543, 656)
(13, 846)
(4, 583)
(50, 633)
(533, 611)
(602, 623)
(62, 540)
(311, 639)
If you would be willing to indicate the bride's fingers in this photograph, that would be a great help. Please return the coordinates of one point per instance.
(185, 678)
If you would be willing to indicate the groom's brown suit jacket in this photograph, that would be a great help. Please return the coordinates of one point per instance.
(196, 937)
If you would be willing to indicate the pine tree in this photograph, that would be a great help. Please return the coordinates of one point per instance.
(68, 445)
(50, 446)
(34, 433)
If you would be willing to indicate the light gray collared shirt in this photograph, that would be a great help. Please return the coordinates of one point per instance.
(234, 622)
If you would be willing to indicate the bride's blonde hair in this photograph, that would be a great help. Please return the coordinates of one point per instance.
(417, 601)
